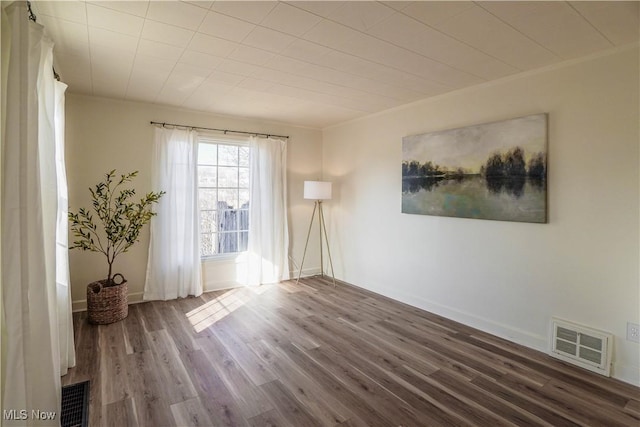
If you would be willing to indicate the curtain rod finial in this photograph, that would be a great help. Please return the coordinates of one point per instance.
(32, 16)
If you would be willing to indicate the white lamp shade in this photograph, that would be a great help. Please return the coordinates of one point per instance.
(317, 190)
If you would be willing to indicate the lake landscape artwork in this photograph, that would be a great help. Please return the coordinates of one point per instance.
(494, 171)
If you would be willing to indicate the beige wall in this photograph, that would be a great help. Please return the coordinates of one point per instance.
(103, 134)
(504, 277)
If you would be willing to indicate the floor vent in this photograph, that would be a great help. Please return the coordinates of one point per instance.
(75, 405)
(581, 346)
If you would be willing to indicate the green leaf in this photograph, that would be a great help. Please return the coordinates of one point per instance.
(119, 221)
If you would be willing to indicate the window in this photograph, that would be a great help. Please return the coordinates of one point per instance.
(223, 192)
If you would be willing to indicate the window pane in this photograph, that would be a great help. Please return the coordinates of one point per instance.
(228, 220)
(207, 176)
(228, 176)
(207, 199)
(207, 244)
(244, 199)
(228, 155)
(228, 243)
(207, 154)
(244, 156)
(243, 181)
(244, 239)
(208, 221)
(227, 199)
(243, 219)
(223, 192)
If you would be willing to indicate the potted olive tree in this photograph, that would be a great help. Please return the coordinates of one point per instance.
(116, 229)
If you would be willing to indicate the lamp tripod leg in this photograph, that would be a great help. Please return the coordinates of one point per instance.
(324, 228)
(319, 204)
(304, 254)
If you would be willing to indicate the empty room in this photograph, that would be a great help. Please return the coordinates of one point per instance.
(320, 213)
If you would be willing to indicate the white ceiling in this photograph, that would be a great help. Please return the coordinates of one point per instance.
(315, 63)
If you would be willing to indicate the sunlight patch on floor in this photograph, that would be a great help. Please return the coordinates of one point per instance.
(212, 311)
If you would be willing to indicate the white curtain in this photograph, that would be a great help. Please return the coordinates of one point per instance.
(173, 269)
(36, 309)
(63, 283)
(268, 246)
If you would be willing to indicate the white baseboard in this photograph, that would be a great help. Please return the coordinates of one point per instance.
(537, 342)
(136, 297)
(221, 286)
(627, 373)
(307, 272)
(230, 284)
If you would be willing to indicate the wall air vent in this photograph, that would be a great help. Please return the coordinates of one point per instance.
(581, 346)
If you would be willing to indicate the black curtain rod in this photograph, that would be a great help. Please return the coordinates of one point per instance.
(268, 135)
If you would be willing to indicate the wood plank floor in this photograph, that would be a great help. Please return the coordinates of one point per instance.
(315, 355)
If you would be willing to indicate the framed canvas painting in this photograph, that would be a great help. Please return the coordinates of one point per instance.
(492, 171)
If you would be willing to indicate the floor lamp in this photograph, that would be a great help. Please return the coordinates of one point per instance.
(318, 191)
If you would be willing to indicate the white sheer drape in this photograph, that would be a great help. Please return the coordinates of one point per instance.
(63, 283)
(268, 249)
(35, 317)
(173, 269)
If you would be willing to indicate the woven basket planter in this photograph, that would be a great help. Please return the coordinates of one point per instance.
(107, 304)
